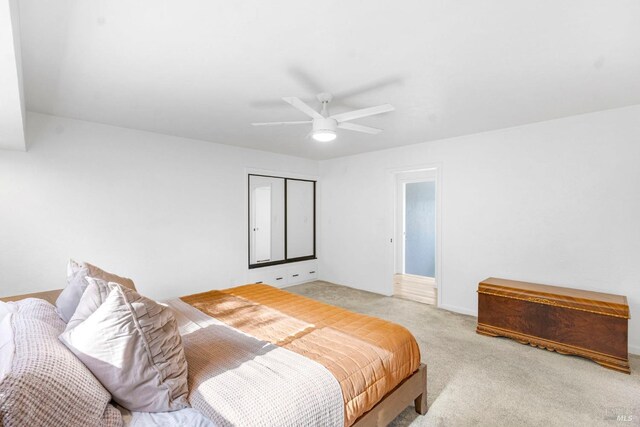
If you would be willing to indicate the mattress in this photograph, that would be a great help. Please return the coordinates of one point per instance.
(368, 356)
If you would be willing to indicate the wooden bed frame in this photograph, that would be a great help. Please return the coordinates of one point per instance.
(413, 388)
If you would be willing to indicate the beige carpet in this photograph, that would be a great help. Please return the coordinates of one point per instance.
(478, 380)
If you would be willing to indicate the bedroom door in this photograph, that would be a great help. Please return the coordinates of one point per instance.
(420, 228)
(415, 276)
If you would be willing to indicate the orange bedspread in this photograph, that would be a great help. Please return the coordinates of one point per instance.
(368, 356)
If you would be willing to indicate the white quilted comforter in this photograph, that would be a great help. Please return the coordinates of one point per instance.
(238, 380)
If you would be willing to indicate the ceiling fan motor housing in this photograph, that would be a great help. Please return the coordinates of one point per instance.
(325, 124)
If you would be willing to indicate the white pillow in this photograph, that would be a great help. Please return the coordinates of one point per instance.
(73, 267)
(132, 345)
(68, 299)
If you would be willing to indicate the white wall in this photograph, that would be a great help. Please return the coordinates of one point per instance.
(556, 202)
(12, 107)
(170, 213)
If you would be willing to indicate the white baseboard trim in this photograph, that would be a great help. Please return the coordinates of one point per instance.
(458, 310)
(286, 285)
(634, 349)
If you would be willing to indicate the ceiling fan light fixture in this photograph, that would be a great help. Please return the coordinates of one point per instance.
(324, 128)
(323, 135)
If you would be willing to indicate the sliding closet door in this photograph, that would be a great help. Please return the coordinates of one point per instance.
(266, 221)
(281, 220)
(300, 219)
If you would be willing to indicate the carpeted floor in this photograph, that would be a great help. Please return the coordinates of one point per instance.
(475, 380)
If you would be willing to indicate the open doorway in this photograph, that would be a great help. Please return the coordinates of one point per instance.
(416, 239)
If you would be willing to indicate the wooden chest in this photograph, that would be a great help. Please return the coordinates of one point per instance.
(568, 321)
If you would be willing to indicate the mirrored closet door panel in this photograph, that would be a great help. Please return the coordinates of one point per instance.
(300, 219)
(266, 219)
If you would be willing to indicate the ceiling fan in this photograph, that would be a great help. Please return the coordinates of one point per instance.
(324, 126)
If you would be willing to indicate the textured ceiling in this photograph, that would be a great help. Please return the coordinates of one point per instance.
(206, 70)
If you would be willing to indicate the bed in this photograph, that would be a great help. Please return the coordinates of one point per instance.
(375, 363)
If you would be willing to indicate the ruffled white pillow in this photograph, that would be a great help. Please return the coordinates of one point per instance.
(132, 345)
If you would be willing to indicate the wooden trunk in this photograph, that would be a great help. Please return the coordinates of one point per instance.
(568, 321)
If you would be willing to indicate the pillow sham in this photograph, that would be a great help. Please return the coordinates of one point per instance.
(46, 384)
(77, 273)
(132, 345)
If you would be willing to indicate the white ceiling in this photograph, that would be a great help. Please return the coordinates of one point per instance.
(206, 69)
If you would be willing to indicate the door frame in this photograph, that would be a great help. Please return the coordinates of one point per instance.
(394, 175)
(248, 171)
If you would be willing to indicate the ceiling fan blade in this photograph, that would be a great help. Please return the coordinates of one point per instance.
(359, 128)
(375, 85)
(282, 123)
(365, 112)
(300, 105)
(305, 79)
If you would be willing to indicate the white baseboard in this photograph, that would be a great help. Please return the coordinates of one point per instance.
(459, 310)
(634, 349)
(286, 285)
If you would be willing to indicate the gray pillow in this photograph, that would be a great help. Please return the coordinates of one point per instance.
(46, 384)
(132, 345)
(77, 274)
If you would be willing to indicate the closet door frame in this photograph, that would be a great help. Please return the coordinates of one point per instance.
(286, 260)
